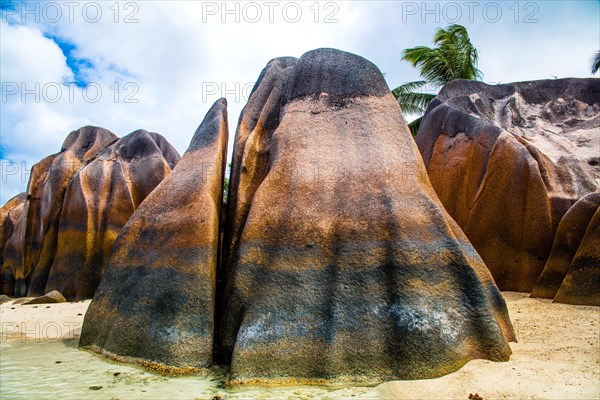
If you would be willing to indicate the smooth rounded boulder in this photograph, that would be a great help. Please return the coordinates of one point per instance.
(582, 283)
(261, 114)
(45, 194)
(342, 264)
(14, 251)
(508, 161)
(10, 216)
(155, 303)
(98, 202)
(568, 239)
(8, 220)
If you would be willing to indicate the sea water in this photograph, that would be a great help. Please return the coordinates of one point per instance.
(57, 369)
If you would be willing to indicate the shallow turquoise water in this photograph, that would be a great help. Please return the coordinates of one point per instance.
(29, 370)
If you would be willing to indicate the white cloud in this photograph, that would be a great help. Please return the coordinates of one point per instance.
(171, 57)
(28, 56)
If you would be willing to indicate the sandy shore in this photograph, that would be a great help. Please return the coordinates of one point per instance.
(557, 357)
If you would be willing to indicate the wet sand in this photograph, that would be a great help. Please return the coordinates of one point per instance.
(557, 357)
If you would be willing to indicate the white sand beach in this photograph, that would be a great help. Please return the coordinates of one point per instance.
(557, 357)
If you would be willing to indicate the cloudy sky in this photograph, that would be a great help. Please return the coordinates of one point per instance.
(159, 65)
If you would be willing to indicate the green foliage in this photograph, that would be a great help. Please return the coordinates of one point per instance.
(414, 126)
(453, 57)
(596, 63)
(412, 102)
(225, 189)
(226, 184)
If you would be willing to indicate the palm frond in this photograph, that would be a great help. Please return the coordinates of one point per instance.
(408, 87)
(596, 63)
(452, 57)
(414, 126)
(414, 103)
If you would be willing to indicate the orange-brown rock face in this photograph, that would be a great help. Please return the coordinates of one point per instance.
(98, 202)
(155, 303)
(508, 161)
(582, 283)
(261, 116)
(15, 246)
(10, 215)
(76, 202)
(342, 263)
(45, 194)
(569, 236)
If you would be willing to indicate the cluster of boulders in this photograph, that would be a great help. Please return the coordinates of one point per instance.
(331, 268)
(517, 166)
(344, 252)
(58, 235)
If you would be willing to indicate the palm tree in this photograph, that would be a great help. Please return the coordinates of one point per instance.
(596, 63)
(413, 102)
(453, 57)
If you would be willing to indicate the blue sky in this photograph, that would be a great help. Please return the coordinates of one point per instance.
(78, 65)
(159, 65)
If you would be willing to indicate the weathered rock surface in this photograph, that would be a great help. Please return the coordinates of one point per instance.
(508, 161)
(54, 296)
(15, 245)
(10, 214)
(582, 283)
(567, 241)
(155, 303)
(260, 115)
(8, 219)
(76, 202)
(342, 263)
(98, 202)
(45, 194)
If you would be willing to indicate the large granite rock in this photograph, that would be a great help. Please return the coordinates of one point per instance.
(45, 194)
(508, 161)
(261, 112)
(98, 202)
(15, 245)
(582, 283)
(10, 215)
(76, 202)
(568, 239)
(342, 264)
(156, 300)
